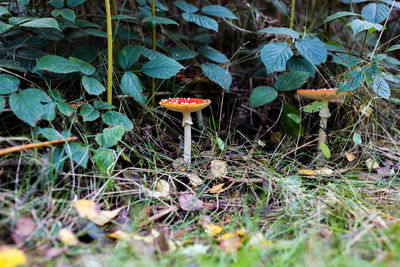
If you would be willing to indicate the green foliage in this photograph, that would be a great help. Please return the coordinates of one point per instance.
(275, 56)
(218, 75)
(185, 7)
(291, 80)
(162, 67)
(114, 118)
(129, 55)
(9, 84)
(110, 136)
(104, 159)
(131, 85)
(92, 86)
(291, 121)
(375, 12)
(325, 150)
(218, 11)
(212, 54)
(89, 113)
(203, 21)
(281, 30)
(314, 107)
(313, 50)
(262, 95)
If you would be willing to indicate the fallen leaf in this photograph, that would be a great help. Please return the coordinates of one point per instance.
(90, 210)
(371, 164)
(212, 229)
(51, 253)
(306, 172)
(179, 164)
(11, 257)
(122, 235)
(324, 171)
(350, 156)
(257, 240)
(194, 180)
(379, 223)
(230, 245)
(218, 168)
(216, 189)
(276, 137)
(189, 201)
(162, 189)
(24, 227)
(67, 237)
(384, 170)
(194, 250)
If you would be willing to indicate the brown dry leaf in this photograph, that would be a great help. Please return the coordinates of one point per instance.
(189, 201)
(11, 257)
(372, 164)
(218, 168)
(365, 110)
(24, 227)
(212, 229)
(89, 209)
(162, 189)
(276, 137)
(51, 253)
(306, 172)
(195, 180)
(179, 164)
(67, 237)
(230, 245)
(324, 171)
(122, 235)
(216, 189)
(350, 156)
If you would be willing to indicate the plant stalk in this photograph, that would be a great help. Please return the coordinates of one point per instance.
(35, 145)
(324, 115)
(292, 14)
(153, 80)
(187, 148)
(109, 52)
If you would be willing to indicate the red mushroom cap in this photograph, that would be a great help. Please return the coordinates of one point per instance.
(185, 104)
(321, 94)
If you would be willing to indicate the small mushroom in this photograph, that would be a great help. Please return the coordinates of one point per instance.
(186, 106)
(324, 95)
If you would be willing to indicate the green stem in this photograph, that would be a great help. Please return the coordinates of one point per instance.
(153, 80)
(110, 52)
(292, 14)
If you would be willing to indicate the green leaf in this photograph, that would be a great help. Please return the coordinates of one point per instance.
(89, 113)
(49, 111)
(325, 150)
(357, 139)
(201, 20)
(56, 95)
(159, 20)
(2, 103)
(393, 47)
(26, 108)
(82, 66)
(123, 17)
(9, 84)
(131, 85)
(375, 13)
(49, 133)
(346, 60)
(56, 64)
(92, 86)
(74, 3)
(42, 23)
(66, 13)
(100, 105)
(357, 78)
(57, 3)
(312, 50)
(340, 15)
(314, 107)
(4, 27)
(182, 53)
(275, 55)
(162, 68)
(292, 128)
(262, 95)
(104, 158)
(281, 30)
(65, 109)
(129, 55)
(294, 117)
(301, 64)
(4, 11)
(188, 8)
(218, 75)
(114, 118)
(218, 11)
(95, 32)
(110, 136)
(212, 54)
(79, 153)
(86, 53)
(381, 87)
(291, 80)
(360, 25)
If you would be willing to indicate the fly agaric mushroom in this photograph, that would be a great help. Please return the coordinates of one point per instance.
(186, 106)
(324, 95)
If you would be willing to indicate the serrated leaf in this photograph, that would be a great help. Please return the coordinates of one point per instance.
(66, 13)
(188, 8)
(65, 109)
(314, 107)
(4, 27)
(262, 95)
(131, 85)
(104, 158)
(59, 64)
(160, 20)
(325, 150)
(340, 15)
(92, 86)
(218, 75)
(2, 103)
(375, 13)
(358, 25)
(312, 50)
(9, 84)
(218, 11)
(162, 67)
(82, 66)
(110, 136)
(42, 23)
(89, 113)
(100, 105)
(49, 111)
(86, 53)
(298, 63)
(129, 55)
(291, 80)
(202, 21)
(346, 60)
(57, 3)
(79, 153)
(381, 87)
(26, 108)
(182, 53)
(95, 32)
(275, 55)
(49, 133)
(291, 127)
(357, 78)
(281, 30)
(212, 54)
(74, 3)
(114, 118)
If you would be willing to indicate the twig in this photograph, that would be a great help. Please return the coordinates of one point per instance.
(159, 215)
(35, 145)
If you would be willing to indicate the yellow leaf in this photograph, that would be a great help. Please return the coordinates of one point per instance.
(306, 172)
(226, 236)
(216, 189)
(89, 209)
(67, 237)
(218, 168)
(372, 164)
(276, 137)
(11, 257)
(324, 171)
(212, 229)
(121, 235)
(105, 216)
(350, 156)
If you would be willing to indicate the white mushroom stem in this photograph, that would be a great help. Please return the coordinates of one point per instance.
(187, 148)
(324, 115)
